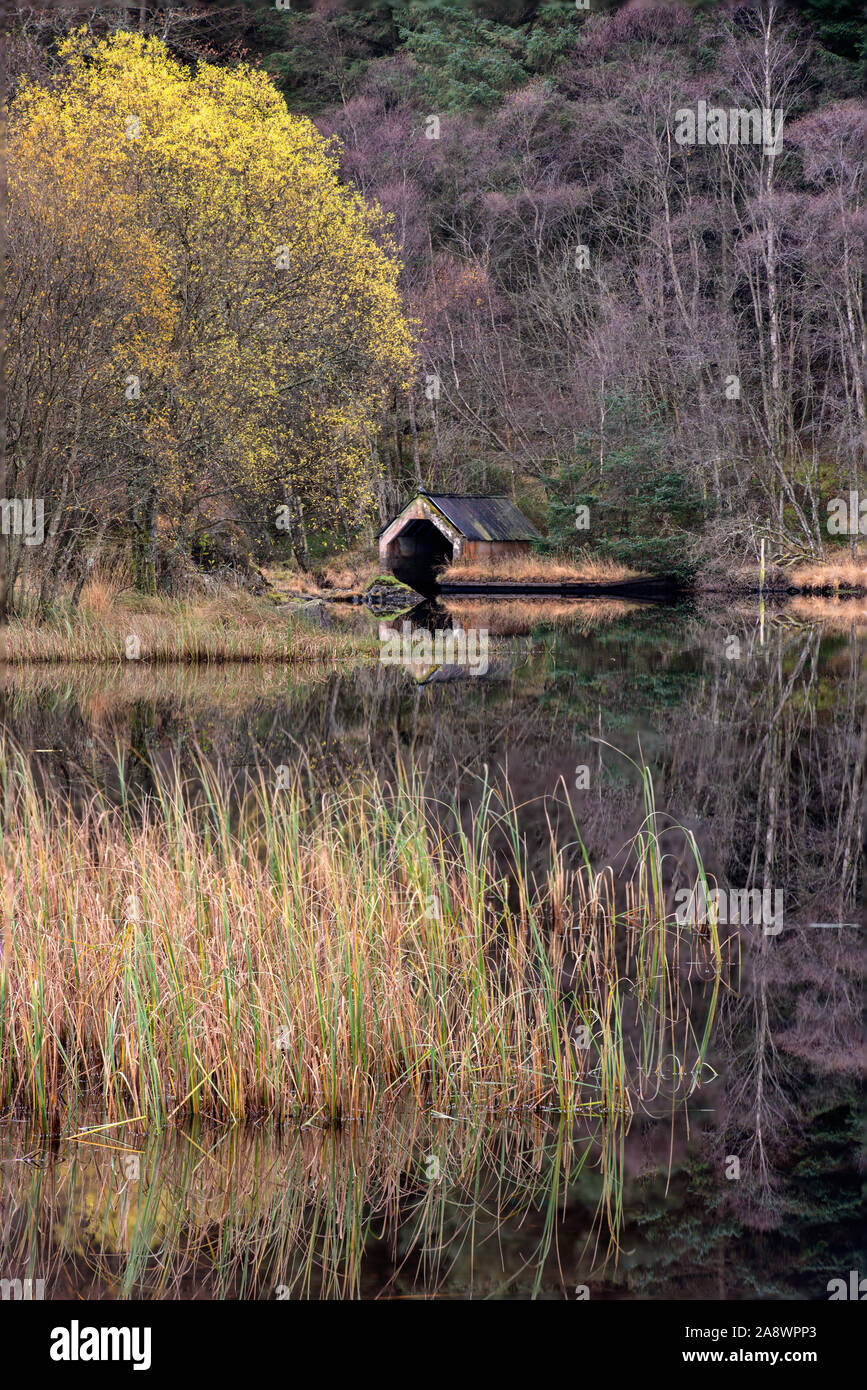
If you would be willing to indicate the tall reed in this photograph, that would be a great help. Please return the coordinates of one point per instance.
(167, 631)
(295, 952)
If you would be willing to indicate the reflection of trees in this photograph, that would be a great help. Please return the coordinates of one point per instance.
(771, 758)
(774, 771)
(755, 1109)
(763, 757)
(793, 1046)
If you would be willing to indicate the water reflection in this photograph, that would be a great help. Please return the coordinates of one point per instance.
(753, 723)
(408, 1205)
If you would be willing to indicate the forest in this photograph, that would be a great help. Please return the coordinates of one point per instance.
(269, 262)
(433, 665)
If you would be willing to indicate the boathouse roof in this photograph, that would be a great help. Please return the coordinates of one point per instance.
(484, 517)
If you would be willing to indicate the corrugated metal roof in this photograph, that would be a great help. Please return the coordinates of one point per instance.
(484, 518)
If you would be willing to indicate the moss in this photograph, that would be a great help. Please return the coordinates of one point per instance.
(379, 579)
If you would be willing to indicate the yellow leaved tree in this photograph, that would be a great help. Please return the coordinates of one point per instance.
(201, 315)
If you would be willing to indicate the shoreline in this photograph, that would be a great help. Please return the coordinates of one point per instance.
(264, 633)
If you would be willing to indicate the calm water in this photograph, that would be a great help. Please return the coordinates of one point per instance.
(753, 724)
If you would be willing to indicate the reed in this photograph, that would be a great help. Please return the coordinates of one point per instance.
(296, 953)
(176, 630)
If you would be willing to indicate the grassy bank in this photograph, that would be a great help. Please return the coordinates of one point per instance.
(538, 569)
(236, 627)
(836, 574)
(316, 954)
(843, 575)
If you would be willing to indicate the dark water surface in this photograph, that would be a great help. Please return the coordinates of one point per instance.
(753, 725)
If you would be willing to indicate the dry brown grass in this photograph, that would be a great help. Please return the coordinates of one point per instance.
(235, 627)
(342, 574)
(100, 595)
(539, 569)
(348, 572)
(842, 573)
(285, 581)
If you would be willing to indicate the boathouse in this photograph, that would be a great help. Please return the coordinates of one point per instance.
(434, 529)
